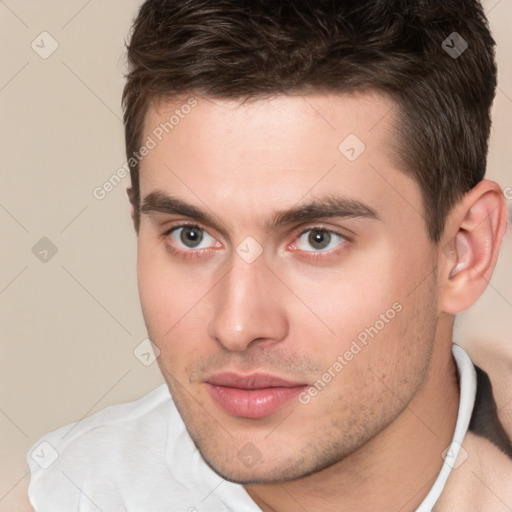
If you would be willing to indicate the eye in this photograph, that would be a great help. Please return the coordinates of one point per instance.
(191, 237)
(318, 240)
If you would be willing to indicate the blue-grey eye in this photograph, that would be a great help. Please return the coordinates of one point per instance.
(191, 237)
(318, 240)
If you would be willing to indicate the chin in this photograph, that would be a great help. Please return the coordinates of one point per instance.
(260, 475)
(264, 471)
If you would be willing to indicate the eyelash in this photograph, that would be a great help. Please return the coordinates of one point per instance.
(200, 253)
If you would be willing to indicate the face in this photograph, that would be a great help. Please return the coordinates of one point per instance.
(285, 275)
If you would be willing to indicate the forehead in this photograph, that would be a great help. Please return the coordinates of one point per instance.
(275, 151)
(276, 124)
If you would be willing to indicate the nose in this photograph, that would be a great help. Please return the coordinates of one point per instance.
(247, 307)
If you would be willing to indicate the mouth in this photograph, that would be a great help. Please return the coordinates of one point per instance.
(252, 396)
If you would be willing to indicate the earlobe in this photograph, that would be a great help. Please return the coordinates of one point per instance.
(474, 232)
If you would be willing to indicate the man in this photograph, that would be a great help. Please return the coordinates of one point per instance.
(309, 198)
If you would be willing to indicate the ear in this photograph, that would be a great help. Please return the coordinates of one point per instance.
(471, 244)
(133, 202)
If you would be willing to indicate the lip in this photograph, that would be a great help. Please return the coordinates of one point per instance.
(252, 396)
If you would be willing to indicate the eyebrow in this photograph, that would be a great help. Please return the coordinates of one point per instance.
(325, 207)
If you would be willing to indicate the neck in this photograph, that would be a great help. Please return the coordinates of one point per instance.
(392, 471)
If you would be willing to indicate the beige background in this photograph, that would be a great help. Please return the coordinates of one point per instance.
(69, 325)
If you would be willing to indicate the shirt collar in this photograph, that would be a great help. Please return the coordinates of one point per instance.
(467, 383)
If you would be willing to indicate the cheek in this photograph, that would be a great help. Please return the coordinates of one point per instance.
(342, 302)
(151, 282)
(364, 312)
(163, 292)
(174, 304)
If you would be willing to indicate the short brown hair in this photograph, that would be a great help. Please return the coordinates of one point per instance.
(243, 49)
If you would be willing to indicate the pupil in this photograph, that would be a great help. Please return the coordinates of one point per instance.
(319, 239)
(191, 237)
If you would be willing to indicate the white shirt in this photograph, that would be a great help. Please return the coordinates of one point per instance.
(138, 457)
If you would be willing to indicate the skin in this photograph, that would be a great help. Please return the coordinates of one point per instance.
(372, 439)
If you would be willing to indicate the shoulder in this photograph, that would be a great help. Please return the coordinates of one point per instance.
(94, 449)
(481, 478)
(149, 411)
